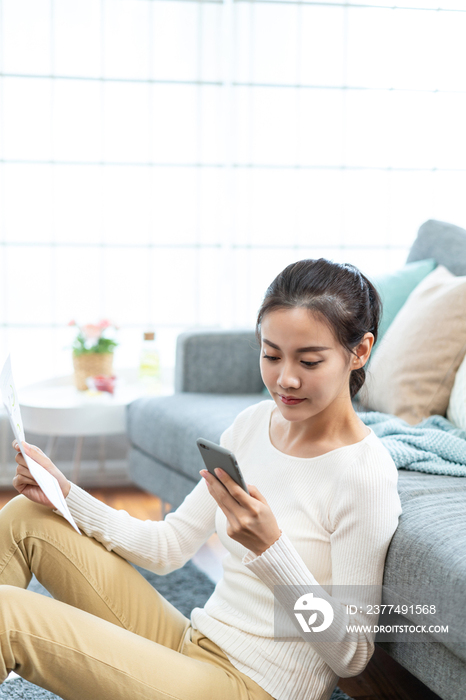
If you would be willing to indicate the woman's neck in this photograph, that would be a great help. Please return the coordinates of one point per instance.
(319, 434)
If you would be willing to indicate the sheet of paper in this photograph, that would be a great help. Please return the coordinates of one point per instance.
(46, 481)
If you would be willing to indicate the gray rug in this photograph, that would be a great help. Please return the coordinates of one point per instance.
(186, 588)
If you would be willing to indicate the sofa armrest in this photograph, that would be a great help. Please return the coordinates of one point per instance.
(218, 362)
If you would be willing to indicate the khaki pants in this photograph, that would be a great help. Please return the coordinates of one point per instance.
(107, 634)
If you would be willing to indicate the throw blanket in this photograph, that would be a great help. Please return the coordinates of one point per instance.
(434, 445)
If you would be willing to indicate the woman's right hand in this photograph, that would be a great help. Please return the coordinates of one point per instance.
(25, 484)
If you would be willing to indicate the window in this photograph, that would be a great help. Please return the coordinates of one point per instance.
(162, 160)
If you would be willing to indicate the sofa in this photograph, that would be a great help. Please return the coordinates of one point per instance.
(217, 376)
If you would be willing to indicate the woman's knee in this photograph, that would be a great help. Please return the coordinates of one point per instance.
(21, 508)
(21, 516)
(30, 535)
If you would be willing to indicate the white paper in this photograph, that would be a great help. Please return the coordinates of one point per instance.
(47, 482)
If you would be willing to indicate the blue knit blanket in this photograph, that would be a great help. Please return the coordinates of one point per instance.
(434, 445)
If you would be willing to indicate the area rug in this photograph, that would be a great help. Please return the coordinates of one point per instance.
(186, 588)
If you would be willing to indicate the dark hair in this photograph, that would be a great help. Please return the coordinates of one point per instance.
(345, 299)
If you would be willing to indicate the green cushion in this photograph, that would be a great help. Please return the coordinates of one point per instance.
(395, 288)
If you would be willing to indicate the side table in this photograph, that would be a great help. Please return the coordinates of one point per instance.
(56, 408)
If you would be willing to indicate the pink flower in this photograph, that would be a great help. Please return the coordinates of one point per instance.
(103, 383)
(92, 331)
(72, 323)
(105, 323)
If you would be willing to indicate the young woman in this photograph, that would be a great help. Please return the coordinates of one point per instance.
(322, 509)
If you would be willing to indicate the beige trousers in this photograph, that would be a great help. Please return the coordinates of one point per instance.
(107, 634)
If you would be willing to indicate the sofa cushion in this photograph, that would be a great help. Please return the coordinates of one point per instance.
(394, 288)
(444, 242)
(426, 554)
(413, 369)
(456, 411)
(218, 362)
(167, 428)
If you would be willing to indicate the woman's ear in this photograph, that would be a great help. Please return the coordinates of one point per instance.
(363, 350)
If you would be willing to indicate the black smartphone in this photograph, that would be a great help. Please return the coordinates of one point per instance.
(216, 456)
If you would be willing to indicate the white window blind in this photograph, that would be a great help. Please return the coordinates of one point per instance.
(162, 160)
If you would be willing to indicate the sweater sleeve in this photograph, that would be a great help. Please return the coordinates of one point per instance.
(159, 546)
(363, 519)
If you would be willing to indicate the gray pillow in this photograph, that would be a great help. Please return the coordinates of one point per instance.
(442, 241)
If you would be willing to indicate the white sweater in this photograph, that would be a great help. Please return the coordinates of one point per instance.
(337, 512)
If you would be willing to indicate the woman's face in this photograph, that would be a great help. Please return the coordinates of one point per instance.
(303, 366)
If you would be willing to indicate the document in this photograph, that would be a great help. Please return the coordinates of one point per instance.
(47, 482)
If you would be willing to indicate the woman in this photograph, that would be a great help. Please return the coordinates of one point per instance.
(322, 509)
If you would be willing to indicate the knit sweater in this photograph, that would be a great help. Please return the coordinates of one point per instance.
(337, 513)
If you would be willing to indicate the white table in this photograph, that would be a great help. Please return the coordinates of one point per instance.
(56, 408)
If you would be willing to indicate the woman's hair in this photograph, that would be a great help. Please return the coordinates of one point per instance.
(345, 299)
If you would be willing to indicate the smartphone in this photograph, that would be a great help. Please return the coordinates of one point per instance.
(215, 456)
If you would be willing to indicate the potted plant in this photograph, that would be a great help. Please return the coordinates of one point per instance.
(93, 351)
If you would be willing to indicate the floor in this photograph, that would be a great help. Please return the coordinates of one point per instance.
(383, 678)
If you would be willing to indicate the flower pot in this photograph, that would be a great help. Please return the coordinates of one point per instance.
(90, 365)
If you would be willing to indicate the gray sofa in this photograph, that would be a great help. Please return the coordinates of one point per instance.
(217, 375)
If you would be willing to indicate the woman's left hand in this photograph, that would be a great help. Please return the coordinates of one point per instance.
(250, 519)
